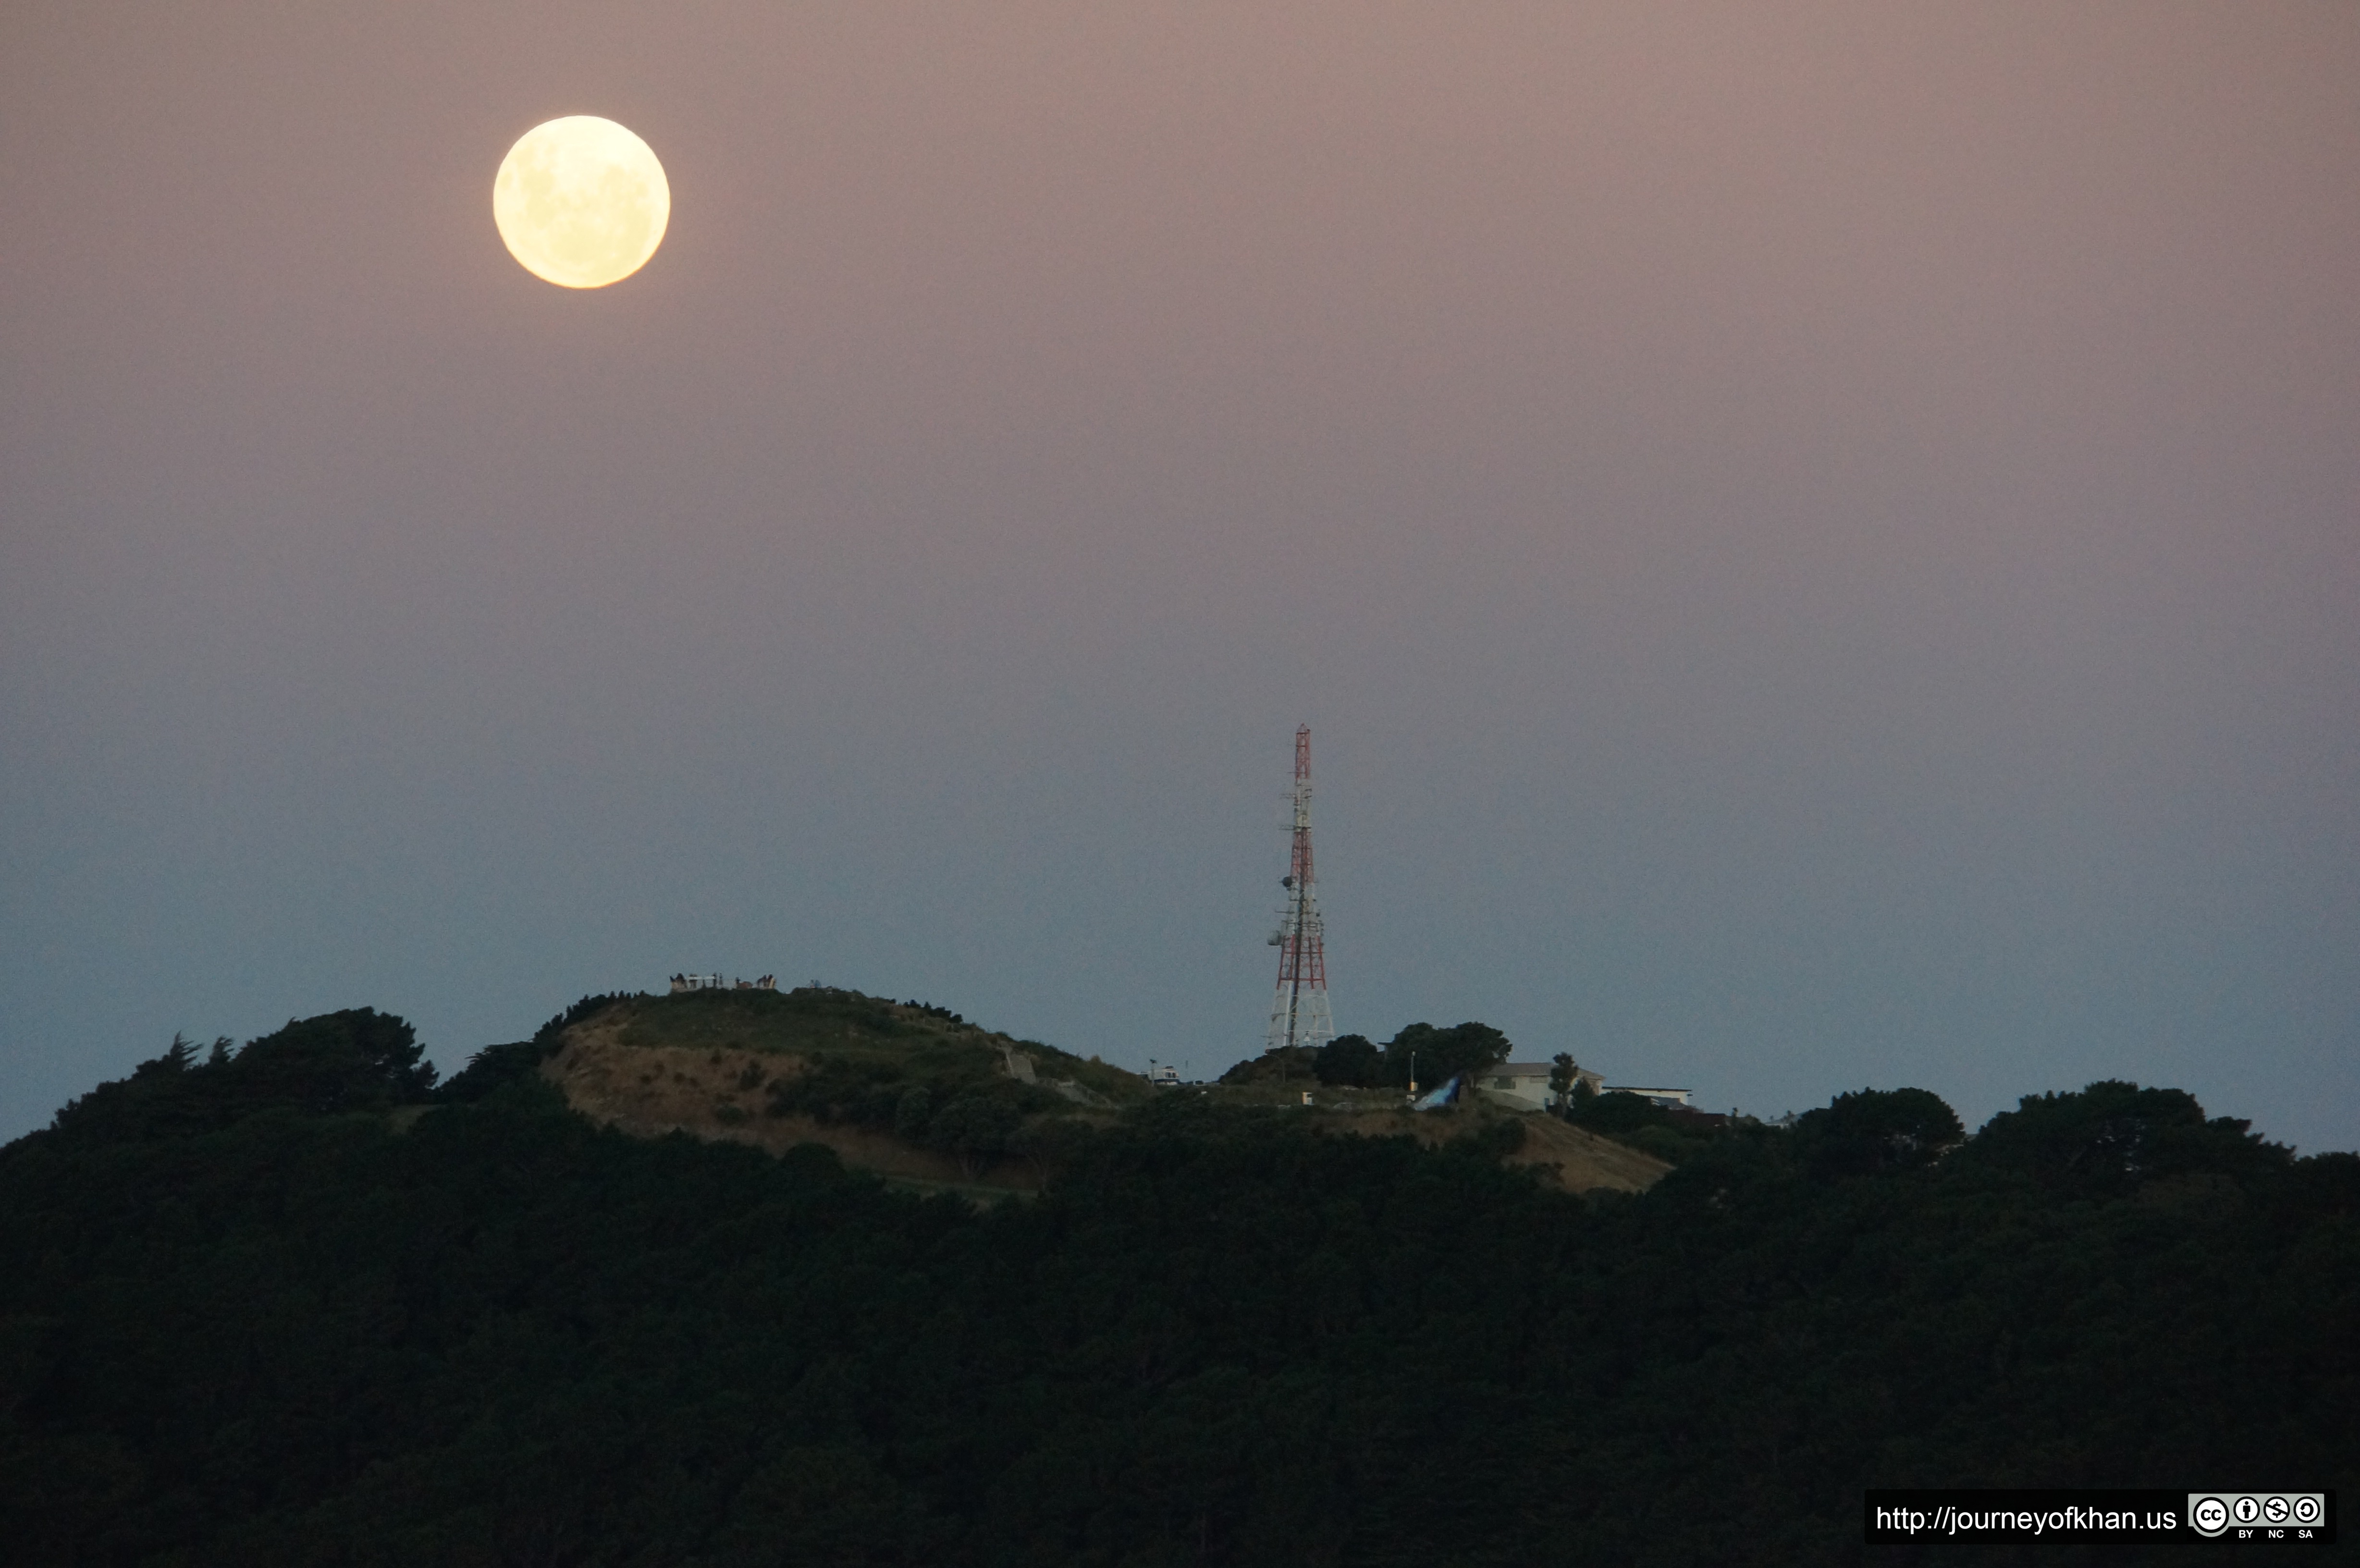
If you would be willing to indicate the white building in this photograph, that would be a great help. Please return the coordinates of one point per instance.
(1526, 1084)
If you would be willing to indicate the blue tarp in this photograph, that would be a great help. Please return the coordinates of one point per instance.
(1447, 1095)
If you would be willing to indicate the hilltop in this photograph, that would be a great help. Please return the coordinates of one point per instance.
(911, 1092)
(922, 1097)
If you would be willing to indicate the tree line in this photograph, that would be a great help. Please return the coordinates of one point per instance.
(1420, 1054)
(247, 1315)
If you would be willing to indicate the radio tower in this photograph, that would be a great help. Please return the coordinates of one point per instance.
(1300, 1014)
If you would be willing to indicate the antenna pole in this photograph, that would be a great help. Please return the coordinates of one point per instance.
(1300, 1014)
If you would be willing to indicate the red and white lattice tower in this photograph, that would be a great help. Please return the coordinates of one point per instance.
(1300, 1014)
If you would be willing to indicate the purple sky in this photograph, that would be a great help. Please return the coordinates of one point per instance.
(1820, 542)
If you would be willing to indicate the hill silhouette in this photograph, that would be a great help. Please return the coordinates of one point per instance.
(320, 1309)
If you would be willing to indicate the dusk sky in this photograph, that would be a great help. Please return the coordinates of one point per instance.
(1819, 543)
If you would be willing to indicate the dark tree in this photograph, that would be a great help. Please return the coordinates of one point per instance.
(1467, 1048)
(1564, 1078)
(979, 1128)
(1286, 1064)
(1349, 1061)
(2109, 1138)
(1876, 1131)
(358, 1060)
(1619, 1112)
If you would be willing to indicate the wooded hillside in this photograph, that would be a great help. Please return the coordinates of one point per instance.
(266, 1315)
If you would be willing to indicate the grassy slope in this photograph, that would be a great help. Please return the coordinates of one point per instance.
(709, 1063)
(704, 1063)
(813, 1019)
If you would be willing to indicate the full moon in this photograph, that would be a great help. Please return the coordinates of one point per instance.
(581, 201)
